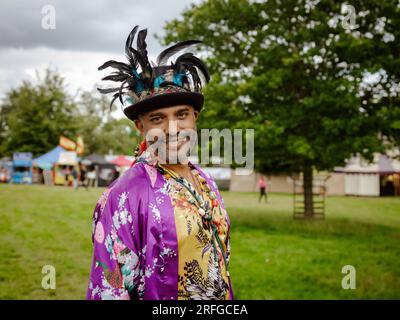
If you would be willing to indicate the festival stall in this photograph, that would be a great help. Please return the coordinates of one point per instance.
(66, 162)
(44, 165)
(379, 178)
(123, 162)
(103, 171)
(22, 167)
(5, 170)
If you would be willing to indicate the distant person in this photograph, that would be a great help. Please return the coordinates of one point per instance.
(74, 174)
(262, 185)
(67, 172)
(82, 177)
(115, 174)
(3, 174)
(91, 176)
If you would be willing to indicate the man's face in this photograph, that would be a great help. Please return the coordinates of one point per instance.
(173, 125)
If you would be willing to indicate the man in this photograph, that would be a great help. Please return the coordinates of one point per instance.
(74, 174)
(82, 176)
(91, 178)
(67, 173)
(262, 185)
(160, 231)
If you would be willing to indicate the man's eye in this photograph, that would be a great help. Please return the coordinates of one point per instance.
(182, 115)
(156, 119)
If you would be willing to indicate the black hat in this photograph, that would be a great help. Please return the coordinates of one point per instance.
(156, 85)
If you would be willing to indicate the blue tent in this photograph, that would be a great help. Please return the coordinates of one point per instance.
(47, 160)
(22, 159)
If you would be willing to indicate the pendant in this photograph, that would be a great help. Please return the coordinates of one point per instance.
(202, 212)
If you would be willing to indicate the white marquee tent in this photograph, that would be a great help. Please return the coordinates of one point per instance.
(363, 179)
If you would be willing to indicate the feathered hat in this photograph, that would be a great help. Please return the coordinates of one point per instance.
(156, 85)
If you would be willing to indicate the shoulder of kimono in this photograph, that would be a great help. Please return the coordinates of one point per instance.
(133, 178)
(134, 182)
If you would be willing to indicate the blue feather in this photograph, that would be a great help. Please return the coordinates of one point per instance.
(135, 73)
(139, 86)
(158, 81)
(178, 79)
(129, 100)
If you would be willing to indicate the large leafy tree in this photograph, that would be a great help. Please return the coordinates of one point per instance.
(316, 85)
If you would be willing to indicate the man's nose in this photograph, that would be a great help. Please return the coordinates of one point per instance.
(172, 128)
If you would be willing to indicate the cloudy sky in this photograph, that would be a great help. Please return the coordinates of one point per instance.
(86, 34)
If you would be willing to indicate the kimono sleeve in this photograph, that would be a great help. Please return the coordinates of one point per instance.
(115, 271)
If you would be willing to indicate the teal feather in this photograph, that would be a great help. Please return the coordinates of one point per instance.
(177, 79)
(129, 100)
(158, 81)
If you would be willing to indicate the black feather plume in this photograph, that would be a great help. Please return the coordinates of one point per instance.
(108, 90)
(116, 77)
(128, 46)
(147, 70)
(170, 51)
(115, 64)
(188, 59)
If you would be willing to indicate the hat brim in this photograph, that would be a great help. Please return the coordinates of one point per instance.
(195, 99)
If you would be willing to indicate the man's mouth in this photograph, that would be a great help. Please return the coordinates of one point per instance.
(175, 142)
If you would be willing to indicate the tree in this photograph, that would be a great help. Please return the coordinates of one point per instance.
(316, 88)
(34, 115)
(100, 131)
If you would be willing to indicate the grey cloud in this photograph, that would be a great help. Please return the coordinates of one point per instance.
(100, 25)
(88, 32)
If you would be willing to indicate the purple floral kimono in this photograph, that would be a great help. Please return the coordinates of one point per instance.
(145, 234)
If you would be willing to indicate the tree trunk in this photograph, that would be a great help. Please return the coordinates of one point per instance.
(308, 191)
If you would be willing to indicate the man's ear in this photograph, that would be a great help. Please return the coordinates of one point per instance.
(196, 114)
(139, 126)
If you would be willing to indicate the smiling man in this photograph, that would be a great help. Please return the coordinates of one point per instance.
(161, 230)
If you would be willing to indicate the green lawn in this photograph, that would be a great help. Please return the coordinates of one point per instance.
(272, 255)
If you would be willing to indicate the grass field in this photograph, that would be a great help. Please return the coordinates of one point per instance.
(272, 255)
